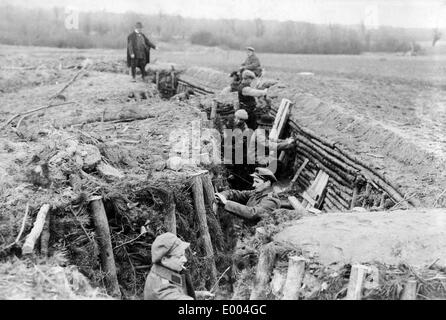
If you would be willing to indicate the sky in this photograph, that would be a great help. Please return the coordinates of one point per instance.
(397, 13)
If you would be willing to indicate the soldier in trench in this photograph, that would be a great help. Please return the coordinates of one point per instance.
(168, 278)
(247, 97)
(251, 205)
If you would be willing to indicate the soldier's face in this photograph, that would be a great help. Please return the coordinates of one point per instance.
(249, 53)
(260, 185)
(139, 30)
(175, 262)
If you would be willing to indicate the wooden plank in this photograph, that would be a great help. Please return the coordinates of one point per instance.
(279, 114)
(296, 204)
(299, 171)
(357, 277)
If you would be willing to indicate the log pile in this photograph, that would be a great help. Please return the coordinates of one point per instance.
(351, 182)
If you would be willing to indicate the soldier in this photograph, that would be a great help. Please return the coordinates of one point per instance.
(240, 118)
(168, 279)
(247, 97)
(251, 205)
(251, 63)
(138, 51)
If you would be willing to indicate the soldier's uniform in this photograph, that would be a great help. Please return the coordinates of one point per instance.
(251, 205)
(165, 284)
(252, 63)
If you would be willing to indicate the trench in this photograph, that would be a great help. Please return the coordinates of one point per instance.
(129, 206)
(351, 182)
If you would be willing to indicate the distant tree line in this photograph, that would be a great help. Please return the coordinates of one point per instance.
(45, 27)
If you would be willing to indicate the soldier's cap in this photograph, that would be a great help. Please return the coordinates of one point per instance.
(248, 74)
(167, 244)
(138, 25)
(241, 114)
(264, 174)
(233, 73)
(250, 49)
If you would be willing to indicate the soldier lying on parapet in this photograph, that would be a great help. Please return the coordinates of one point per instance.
(252, 205)
(168, 279)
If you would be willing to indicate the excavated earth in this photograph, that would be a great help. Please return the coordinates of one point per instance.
(394, 123)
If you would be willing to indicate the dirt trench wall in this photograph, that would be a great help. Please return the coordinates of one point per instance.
(413, 170)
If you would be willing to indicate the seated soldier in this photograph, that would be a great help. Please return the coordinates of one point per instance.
(251, 205)
(251, 63)
(168, 279)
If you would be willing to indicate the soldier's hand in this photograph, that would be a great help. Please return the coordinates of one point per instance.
(220, 199)
(132, 56)
(204, 295)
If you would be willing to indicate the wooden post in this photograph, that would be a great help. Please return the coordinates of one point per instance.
(208, 188)
(368, 189)
(32, 237)
(265, 266)
(197, 190)
(357, 277)
(297, 205)
(299, 171)
(294, 278)
(157, 80)
(214, 110)
(410, 290)
(171, 221)
(354, 197)
(105, 247)
(45, 237)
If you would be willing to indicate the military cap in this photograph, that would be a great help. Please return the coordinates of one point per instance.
(166, 244)
(264, 174)
(250, 49)
(248, 74)
(138, 25)
(241, 114)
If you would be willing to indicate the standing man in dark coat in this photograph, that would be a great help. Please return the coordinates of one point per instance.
(138, 51)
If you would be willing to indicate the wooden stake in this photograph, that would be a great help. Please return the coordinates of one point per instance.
(32, 237)
(357, 277)
(354, 197)
(410, 290)
(45, 237)
(368, 189)
(197, 190)
(294, 278)
(105, 247)
(265, 266)
(171, 220)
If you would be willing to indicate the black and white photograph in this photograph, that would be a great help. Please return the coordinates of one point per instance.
(223, 151)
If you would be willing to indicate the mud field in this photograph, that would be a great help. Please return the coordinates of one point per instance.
(105, 135)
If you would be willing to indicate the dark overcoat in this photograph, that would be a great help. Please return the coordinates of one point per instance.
(131, 46)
